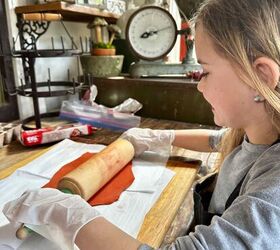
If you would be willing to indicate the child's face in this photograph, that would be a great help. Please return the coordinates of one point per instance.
(231, 99)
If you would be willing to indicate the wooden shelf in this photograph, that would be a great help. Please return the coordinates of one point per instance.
(69, 12)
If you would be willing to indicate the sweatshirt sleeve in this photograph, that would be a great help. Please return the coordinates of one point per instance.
(251, 222)
(215, 138)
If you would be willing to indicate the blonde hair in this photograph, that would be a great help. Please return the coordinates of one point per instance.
(242, 31)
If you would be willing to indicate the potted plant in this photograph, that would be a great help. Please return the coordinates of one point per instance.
(102, 61)
(102, 37)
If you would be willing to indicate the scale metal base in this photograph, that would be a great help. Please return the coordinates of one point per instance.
(157, 69)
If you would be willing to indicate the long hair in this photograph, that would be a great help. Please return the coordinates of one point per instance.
(242, 31)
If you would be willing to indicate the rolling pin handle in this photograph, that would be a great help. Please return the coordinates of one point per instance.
(66, 191)
(41, 17)
(23, 232)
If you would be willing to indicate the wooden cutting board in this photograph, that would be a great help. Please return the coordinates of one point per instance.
(160, 217)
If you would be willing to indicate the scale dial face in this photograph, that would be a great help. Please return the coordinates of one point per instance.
(151, 32)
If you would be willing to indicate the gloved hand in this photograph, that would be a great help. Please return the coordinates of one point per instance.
(62, 215)
(145, 139)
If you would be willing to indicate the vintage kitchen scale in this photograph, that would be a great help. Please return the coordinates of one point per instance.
(151, 33)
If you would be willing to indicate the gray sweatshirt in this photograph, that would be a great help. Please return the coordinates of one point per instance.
(253, 219)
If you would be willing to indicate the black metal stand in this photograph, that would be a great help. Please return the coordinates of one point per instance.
(29, 33)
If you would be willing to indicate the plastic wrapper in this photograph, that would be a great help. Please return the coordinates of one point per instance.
(98, 116)
(52, 134)
(130, 105)
(8, 132)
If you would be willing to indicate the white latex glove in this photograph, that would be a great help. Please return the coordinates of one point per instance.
(145, 139)
(62, 215)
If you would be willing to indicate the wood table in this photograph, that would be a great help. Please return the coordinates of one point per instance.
(171, 216)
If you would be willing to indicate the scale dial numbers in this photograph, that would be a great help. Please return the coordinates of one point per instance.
(151, 33)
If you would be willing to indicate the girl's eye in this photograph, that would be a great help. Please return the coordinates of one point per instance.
(204, 74)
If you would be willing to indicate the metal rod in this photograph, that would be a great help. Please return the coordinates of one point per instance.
(49, 81)
(14, 45)
(74, 86)
(89, 44)
(68, 33)
(62, 43)
(52, 43)
(89, 81)
(89, 41)
(68, 75)
(34, 94)
(81, 42)
(72, 42)
(78, 66)
(49, 73)
(86, 45)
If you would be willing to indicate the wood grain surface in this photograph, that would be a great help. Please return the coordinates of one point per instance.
(5, 172)
(159, 218)
(70, 12)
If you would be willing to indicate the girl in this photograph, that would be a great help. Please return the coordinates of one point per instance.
(238, 46)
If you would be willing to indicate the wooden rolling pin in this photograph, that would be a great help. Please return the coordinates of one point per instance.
(93, 174)
(41, 17)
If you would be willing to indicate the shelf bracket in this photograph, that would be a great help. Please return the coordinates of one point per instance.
(30, 32)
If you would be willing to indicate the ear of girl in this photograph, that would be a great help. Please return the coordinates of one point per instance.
(268, 70)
